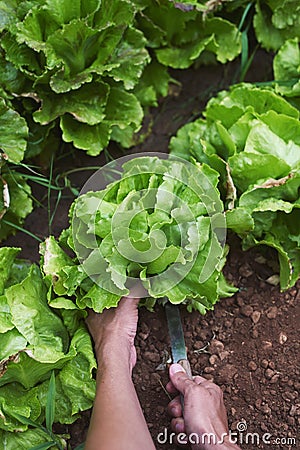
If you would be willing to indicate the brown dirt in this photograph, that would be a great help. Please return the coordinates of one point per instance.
(248, 344)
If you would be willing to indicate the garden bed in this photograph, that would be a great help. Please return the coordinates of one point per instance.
(249, 343)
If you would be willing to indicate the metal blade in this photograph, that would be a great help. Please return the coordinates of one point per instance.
(175, 332)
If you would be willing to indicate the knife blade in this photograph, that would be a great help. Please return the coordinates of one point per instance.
(178, 348)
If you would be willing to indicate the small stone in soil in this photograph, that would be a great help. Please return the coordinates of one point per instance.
(246, 310)
(223, 355)
(213, 359)
(255, 316)
(294, 410)
(252, 366)
(245, 271)
(255, 333)
(274, 378)
(264, 427)
(272, 312)
(151, 356)
(291, 421)
(209, 369)
(227, 373)
(269, 373)
(216, 346)
(266, 345)
(198, 345)
(282, 338)
(272, 365)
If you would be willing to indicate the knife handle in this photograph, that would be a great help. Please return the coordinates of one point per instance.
(186, 365)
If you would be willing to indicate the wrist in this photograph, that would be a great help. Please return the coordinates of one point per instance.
(111, 354)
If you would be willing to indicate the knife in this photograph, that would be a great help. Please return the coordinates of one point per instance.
(178, 348)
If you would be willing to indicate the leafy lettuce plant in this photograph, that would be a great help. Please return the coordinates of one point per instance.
(15, 201)
(276, 21)
(73, 64)
(159, 226)
(82, 70)
(37, 340)
(286, 65)
(250, 135)
(182, 34)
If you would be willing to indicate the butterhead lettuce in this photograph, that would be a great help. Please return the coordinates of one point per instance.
(157, 226)
(250, 135)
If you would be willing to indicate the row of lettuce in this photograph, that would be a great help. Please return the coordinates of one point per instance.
(85, 72)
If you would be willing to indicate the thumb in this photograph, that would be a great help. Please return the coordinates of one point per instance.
(179, 378)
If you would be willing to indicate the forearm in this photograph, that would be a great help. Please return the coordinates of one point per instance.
(117, 421)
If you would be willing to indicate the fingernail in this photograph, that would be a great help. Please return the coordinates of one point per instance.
(174, 368)
(178, 428)
(173, 411)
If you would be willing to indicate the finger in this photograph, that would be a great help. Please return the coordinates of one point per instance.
(179, 378)
(200, 380)
(171, 388)
(177, 425)
(215, 390)
(174, 407)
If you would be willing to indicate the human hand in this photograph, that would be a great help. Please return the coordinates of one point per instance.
(114, 331)
(204, 418)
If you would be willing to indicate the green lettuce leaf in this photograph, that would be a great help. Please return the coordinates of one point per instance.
(79, 62)
(276, 21)
(286, 67)
(7, 258)
(181, 37)
(13, 133)
(24, 440)
(15, 202)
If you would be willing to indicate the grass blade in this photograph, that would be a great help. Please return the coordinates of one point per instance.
(25, 420)
(244, 16)
(50, 405)
(49, 193)
(245, 51)
(21, 229)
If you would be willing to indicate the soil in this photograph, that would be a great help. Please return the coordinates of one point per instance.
(248, 344)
